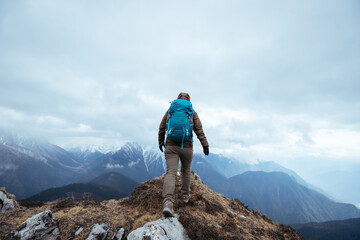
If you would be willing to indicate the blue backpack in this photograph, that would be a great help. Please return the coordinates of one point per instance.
(180, 120)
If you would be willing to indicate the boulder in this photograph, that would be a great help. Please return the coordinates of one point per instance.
(162, 229)
(98, 232)
(7, 201)
(41, 226)
(119, 234)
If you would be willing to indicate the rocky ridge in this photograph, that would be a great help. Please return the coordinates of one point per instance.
(208, 215)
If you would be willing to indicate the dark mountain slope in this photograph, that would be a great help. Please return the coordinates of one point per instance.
(346, 229)
(79, 191)
(116, 181)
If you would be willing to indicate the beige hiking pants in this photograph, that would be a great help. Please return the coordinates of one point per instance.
(172, 156)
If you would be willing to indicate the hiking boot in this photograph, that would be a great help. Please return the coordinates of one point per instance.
(185, 198)
(168, 209)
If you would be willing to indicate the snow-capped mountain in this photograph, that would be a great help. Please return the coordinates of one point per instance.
(37, 148)
(90, 148)
(154, 161)
(29, 165)
(86, 155)
(132, 160)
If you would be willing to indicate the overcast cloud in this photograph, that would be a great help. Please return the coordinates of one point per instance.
(270, 80)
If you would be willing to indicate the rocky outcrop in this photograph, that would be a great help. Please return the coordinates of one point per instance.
(162, 229)
(208, 215)
(41, 226)
(7, 201)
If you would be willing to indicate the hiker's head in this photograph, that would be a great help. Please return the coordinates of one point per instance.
(184, 95)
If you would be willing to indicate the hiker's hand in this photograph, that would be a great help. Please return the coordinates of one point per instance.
(161, 147)
(206, 150)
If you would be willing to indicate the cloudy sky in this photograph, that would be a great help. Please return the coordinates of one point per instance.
(270, 80)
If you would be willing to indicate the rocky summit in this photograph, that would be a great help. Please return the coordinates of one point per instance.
(208, 215)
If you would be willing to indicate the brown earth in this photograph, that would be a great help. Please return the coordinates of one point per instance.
(208, 215)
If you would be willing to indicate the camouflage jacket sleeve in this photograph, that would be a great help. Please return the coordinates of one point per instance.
(199, 131)
(162, 129)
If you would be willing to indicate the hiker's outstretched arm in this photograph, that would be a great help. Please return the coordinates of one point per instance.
(199, 131)
(162, 129)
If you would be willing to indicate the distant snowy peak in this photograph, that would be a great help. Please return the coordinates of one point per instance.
(90, 148)
(13, 139)
(133, 160)
(151, 155)
(128, 147)
(85, 149)
(154, 159)
(131, 154)
(24, 144)
(132, 146)
(37, 148)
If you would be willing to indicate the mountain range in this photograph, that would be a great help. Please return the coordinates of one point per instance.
(271, 188)
(275, 193)
(230, 167)
(284, 200)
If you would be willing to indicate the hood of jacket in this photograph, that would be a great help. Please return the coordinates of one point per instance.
(184, 95)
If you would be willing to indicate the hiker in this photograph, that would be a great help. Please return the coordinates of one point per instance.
(175, 135)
